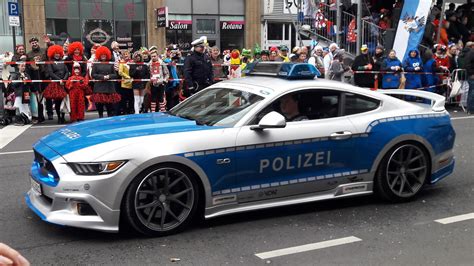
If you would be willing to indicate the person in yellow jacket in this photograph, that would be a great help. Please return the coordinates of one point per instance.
(126, 105)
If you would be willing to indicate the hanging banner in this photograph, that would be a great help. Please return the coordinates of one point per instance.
(411, 26)
(162, 17)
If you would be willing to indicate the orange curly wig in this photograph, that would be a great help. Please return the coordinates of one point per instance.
(101, 51)
(73, 46)
(55, 49)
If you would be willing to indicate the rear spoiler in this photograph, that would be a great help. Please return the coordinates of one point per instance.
(437, 101)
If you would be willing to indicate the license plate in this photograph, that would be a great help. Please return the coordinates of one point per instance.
(36, 186)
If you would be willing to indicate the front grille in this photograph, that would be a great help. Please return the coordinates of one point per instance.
(46, 169)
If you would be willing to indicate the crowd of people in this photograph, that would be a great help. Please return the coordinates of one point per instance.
(120, 82)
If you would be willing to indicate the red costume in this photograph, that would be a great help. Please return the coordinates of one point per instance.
(76, 85)
(55, 90)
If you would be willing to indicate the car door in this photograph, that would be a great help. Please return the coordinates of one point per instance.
(305, 156)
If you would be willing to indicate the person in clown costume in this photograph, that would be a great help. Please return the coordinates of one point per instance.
(76, 85)
(75, 53)
(235, 71)
(55, 90)
(246, 58)
(104, 94)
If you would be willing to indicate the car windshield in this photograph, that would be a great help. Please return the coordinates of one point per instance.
(217, 106)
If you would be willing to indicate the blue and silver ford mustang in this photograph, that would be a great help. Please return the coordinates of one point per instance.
(262, 141)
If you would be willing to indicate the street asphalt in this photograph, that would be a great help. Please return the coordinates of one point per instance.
(390, 234)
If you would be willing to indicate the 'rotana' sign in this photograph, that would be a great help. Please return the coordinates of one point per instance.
(232, 25)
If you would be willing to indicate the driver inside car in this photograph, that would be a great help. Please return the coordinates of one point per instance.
(290, 109)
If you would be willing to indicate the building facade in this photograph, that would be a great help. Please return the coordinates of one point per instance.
(6, 31)
(227, 24)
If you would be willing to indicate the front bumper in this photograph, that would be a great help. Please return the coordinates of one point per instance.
(63, 202)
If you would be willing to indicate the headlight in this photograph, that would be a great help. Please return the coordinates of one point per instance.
(100, 168)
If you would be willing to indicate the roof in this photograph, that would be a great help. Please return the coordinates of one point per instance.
(281, 84)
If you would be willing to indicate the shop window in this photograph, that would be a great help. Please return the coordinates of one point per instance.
(182, 38)
(275, 31)
(130, 34)
(206, 26)
(59, 30)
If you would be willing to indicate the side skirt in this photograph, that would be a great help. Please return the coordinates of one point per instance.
(229, 203)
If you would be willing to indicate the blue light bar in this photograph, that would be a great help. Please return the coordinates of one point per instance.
(289, 71)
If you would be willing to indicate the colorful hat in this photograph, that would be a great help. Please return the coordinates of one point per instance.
(246, 52)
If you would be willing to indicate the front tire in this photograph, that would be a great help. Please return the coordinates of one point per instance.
(402, 173)
(161, 201)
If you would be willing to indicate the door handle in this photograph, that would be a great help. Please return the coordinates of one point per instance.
(341, 135)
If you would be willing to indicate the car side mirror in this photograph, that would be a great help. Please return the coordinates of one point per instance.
(270, 120)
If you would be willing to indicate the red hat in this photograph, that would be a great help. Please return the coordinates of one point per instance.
(55, 49)
(273, 49)
(73, 46)
(101, 51)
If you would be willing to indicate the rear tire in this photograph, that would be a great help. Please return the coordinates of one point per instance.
(162, 200)
(402, 173)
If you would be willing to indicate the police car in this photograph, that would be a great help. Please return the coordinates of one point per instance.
(273, 138)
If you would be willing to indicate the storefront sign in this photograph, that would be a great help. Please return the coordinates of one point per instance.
(125, 43)
(98, 36)
(232, 25)
(162, 17)
(180, 24)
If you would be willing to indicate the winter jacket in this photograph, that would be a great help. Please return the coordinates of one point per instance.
(58, 71)
(124, 72)
(378, 62)
(391, 80)
(173, 84)
(20, 87)
(198, 69)
(336, 70)
(430, 79)
(363, 80)
(37, 71)
(218, 71)
(139, 72)
(99, 71)
(466, 60)
(413, 64)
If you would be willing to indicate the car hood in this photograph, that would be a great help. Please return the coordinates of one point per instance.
(82, 135)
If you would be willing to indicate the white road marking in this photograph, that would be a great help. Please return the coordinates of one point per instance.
(308, 247)
(9, 133)
(15, 152)
(463, 117)
(455, 219)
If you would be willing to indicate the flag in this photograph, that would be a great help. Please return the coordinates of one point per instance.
(411, 26)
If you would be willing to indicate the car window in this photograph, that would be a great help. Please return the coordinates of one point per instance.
(217, 106)
(312, 105)
(355, 104)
